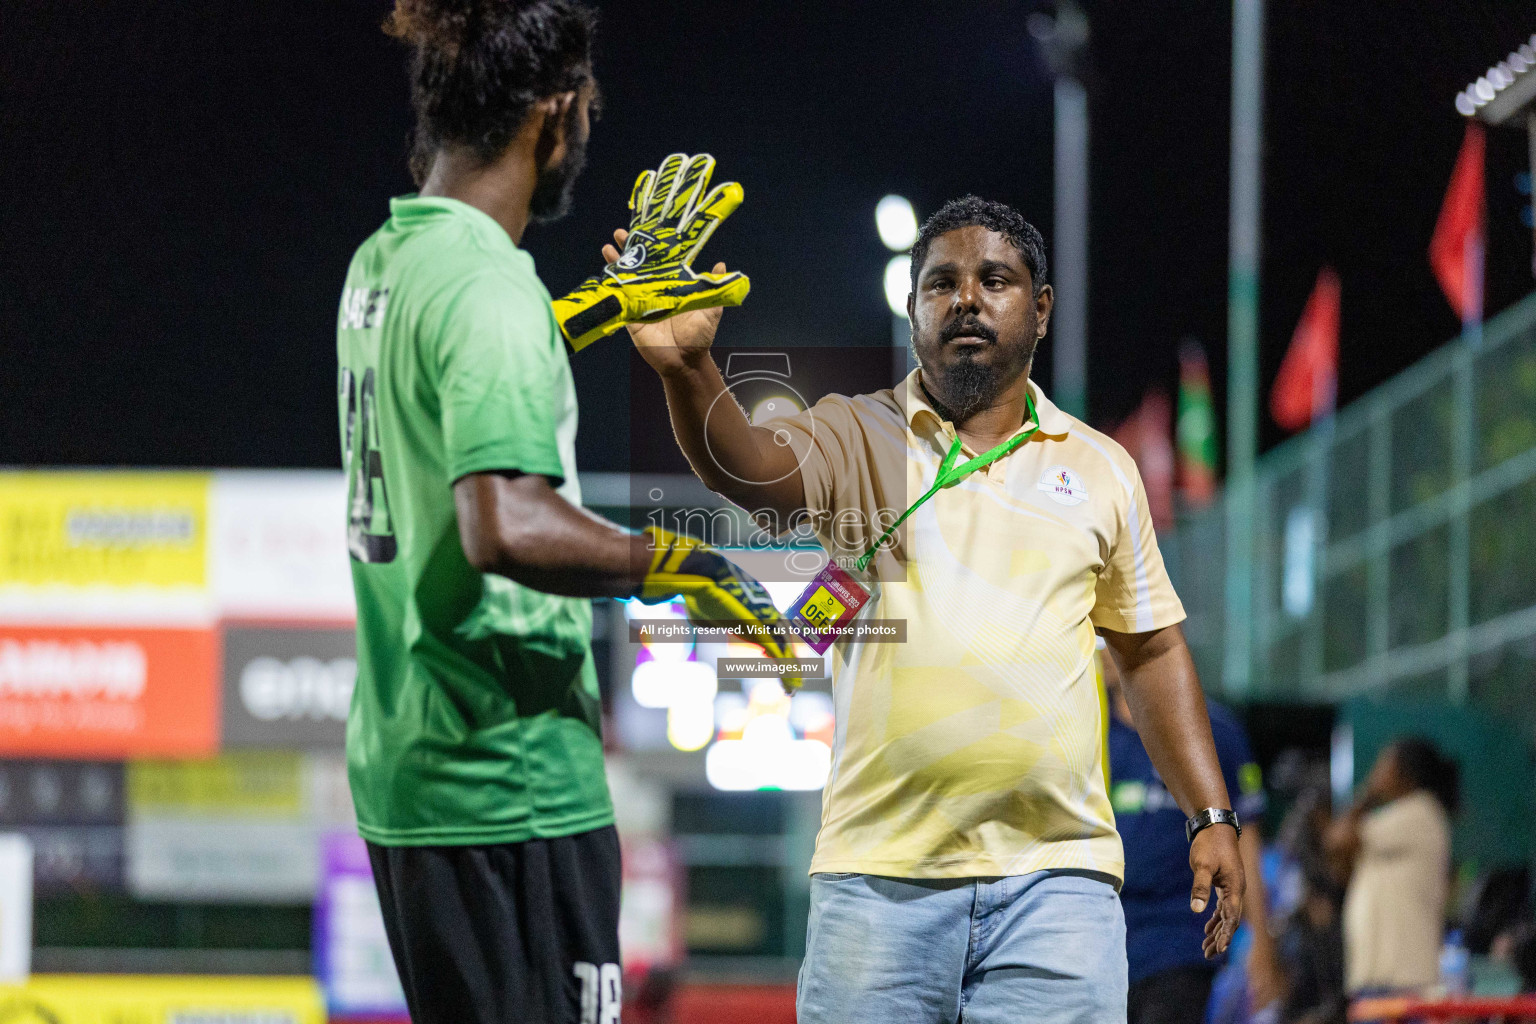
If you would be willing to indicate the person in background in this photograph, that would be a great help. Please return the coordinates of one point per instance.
(1170, 981)
(1522, 956)
(1394, 847)
(1310, 941)
(1312, 951)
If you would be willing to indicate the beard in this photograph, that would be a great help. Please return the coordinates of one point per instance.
(555, 186)
(965, 388)
(968, 384)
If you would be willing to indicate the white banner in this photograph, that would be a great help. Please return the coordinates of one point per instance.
(239, 860)
(242, 827)
(15, 907)
(278, 545)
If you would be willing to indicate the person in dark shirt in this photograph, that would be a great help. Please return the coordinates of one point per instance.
(1170, 980)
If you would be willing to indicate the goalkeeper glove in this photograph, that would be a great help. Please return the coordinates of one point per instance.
(716, 592)
(653, 277)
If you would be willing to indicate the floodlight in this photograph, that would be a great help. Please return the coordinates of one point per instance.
(898, 283)
(896, 222)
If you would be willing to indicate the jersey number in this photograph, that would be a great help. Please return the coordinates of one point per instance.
(602, 992)
(370, 528)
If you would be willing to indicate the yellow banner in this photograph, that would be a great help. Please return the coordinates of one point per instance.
(267, 783)
(126, 999)
(104, 528)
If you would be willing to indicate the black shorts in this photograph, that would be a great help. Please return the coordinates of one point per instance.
(1175, 996)
(505, 934)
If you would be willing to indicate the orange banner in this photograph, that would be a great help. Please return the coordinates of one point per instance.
(100, 692)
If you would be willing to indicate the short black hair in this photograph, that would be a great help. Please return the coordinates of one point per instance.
(969, 211)
(1422, 764)
(480, 65)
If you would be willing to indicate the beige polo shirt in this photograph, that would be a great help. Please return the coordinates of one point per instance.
(976, 747)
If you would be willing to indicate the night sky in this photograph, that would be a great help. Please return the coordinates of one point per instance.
(186, 183)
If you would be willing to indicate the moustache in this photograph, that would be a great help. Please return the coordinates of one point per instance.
(967, 325)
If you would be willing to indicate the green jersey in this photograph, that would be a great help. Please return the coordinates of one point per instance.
(476, 717)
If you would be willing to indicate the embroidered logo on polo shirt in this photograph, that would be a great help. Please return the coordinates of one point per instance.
(1063, 486)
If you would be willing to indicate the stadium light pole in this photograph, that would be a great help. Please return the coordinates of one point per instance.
(896, 222)
(1064, 41)
(1243, 334)
(1506, 95)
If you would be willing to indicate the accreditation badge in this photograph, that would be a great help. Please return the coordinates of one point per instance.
(829, 603)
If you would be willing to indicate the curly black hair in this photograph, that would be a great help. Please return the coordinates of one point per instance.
(994, 216)
(479, 65)
(1426, 768)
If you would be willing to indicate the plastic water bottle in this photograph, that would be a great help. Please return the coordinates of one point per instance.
(1455, 965)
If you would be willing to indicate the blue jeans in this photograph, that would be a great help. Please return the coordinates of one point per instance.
(1046, 948)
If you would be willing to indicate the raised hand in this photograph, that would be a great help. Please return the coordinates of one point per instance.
(671, 217)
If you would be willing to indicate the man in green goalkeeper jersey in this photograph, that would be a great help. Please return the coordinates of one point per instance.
(473, 743)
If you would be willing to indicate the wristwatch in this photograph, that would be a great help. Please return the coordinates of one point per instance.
(1202, 820)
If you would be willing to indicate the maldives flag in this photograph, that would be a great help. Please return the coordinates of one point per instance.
(1308, 380)
(1456, 251)
(1147, 434)
(1196, 427)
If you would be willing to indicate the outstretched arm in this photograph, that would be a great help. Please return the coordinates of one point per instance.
(748, 465)
(1169, 711)
(517, 525)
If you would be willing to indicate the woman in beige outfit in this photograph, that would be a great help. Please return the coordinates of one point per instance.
(1394, 846)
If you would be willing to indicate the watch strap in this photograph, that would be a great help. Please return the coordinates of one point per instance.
(1202, 820)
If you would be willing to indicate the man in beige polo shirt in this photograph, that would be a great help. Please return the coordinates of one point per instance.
(967, 863)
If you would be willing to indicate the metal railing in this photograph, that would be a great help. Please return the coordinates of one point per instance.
(1395, 545)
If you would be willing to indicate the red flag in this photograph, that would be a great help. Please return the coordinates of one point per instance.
(1456, 251)
(1147, 434)
(1307, 383)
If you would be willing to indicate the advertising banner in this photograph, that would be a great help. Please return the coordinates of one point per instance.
(352, 959)
(222, 861)
(241, 827)
(330, 791)
(97, 692)
(279, 545)
(126, 999)
(61, 793)
(72, 811)
(251, 784)
(76, 858)
(86, 529)
(287, 686)
(106, 547)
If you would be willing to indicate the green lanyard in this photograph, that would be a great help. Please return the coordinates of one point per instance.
(948, 475)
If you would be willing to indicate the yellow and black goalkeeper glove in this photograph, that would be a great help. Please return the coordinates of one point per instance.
(716, 592)
(653, 277)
